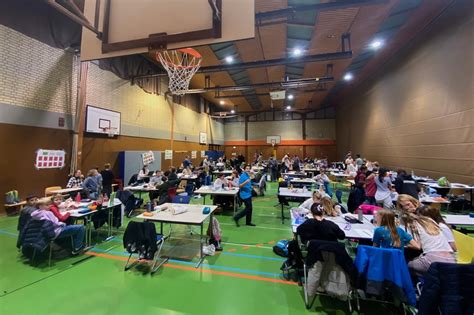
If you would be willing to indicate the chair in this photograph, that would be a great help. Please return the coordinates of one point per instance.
(181, 199)
(172, 192)
(48, 190)
(207, 181)
(189, 189)
(327, 274)
(465, 247)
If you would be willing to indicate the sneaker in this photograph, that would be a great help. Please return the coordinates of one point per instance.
(250, 224)
(236, 222)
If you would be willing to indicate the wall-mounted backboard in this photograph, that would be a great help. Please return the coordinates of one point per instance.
(103, 121)
(123, 21)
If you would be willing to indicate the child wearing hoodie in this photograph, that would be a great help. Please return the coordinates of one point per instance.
(61, 230)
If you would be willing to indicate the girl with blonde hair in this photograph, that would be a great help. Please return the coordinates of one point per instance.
(428, 234)
(328, 206)
(406, 203)
(389, 235)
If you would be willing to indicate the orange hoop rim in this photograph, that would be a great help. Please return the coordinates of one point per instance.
(190, 51)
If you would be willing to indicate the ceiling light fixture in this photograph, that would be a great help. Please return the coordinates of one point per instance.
(290, 96)
(229, 59)
(348, 77)
(376, 44)
(297, 52)
(232, 111)
(221, 102)
(288, 107)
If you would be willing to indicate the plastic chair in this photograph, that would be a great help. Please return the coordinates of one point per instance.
(172, 192)
(181, 199)
(48, 190)
(465, 247)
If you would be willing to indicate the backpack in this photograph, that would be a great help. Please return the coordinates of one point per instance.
(443, 182)
(11, 197)
(281, 248)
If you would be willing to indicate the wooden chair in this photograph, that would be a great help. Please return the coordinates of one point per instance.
(48, 190)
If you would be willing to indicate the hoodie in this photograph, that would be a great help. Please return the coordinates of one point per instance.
(48, 216)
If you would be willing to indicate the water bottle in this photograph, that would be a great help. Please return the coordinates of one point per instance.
(360, 215)
(149, 206)
(304, 189)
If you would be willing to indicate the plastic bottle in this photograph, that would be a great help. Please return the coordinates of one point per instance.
(360, 215)
(304, 189)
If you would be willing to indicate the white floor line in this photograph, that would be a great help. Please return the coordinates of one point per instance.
(262, 227)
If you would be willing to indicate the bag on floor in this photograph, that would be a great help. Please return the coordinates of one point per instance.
(10, 197)
(281, 248)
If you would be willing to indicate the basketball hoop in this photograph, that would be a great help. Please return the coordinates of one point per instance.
(181, 65)
(110, 131)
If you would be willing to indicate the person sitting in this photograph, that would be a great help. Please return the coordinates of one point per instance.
(143, 173)
(107, 179)
(434, 214)
(172, 175)
(318, 228)
(55, 209)
(323, 180)
(310, 201)
(388, 235)
(75, 180)
(433, 243)
(187, 171)
(90, 184)
(162, 193)
(351, 169)
(235, 179)
(406, 203)
(61, 230)
(220, 182)
(25, 214)
(329, 207)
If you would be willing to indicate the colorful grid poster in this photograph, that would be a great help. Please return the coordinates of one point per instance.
(148, 158)
(50, 159)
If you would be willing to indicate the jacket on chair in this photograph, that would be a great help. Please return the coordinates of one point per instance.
(448, 288)
(381, 268)
(37, 234)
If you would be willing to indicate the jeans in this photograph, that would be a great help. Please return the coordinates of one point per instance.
(247, 212)
(77, 232)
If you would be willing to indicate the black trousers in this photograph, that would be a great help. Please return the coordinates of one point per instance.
(247, 212)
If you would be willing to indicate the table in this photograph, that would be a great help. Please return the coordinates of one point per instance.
(187, 177)
(225, 172)
(452, 219)
(66, 190)
(257, 168)
(192, 216)
(313, 171)
(364, 230)
(208, 190)
(294, 174)
(74, 213)
(435, 185)
(141, 189)
(340, 176)
(303, 181)
(110, 209)
(295, 194)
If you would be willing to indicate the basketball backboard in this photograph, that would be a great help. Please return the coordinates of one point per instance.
(128, 27)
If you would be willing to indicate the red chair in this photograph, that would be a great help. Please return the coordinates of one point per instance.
(171, 193)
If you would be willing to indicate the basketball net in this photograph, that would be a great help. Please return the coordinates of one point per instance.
(181, 65)
(273, 143)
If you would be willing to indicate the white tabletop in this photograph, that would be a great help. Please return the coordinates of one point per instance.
(193, 214)
(79, 206)
(303, 180)
(115, 203)
(351, 230)
(294, 174)
(340, 174)
(310, 169)
(140, 188)
(66, 190)
(229, 172)
(209, 190)
(181, 176)
(453, 185)
(295, 192)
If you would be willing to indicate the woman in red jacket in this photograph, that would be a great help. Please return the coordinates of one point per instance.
(57, 200)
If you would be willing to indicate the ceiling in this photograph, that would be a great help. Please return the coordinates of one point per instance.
(315, 31)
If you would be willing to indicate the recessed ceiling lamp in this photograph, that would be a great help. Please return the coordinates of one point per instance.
(229, 59)
(290, 96)
(222, 102)
(232, 111)
(288, 107)
(297, 52)
(348, 77)
(376, 44)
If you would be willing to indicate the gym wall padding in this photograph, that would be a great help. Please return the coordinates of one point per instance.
(417, 113)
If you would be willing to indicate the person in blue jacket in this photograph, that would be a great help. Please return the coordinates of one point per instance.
(245, 192)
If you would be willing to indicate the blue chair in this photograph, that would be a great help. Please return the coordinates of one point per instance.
(189, 189)
(181, 199)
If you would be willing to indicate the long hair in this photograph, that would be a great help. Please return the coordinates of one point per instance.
(430, 212)
(388, 220)
(382, 173)
(412, 221)
(405, 197)
(328, 207)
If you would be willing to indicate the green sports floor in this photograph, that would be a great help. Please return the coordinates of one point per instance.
(244, 278)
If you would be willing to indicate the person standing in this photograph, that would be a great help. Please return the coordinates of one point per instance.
(107, 179)
(245, 191)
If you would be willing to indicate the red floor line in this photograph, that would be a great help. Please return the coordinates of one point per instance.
(215, 272)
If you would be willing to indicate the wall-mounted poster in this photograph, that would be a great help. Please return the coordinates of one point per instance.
(50, 159)
(148, 157)
(168, 154)
(203, 153)
(193, 154)
(202, 138)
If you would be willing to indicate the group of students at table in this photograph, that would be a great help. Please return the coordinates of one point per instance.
(94, 183)
(420, 231)
(52, 209)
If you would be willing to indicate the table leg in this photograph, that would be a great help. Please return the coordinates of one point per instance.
(282, 215)
(201, 258)
(235, 204)
(111, 215)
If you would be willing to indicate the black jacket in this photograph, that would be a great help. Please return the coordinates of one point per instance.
(140, 237)
(324, 230)
(448, 288)
(316, 247)
(37, 234)
(25, 217)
